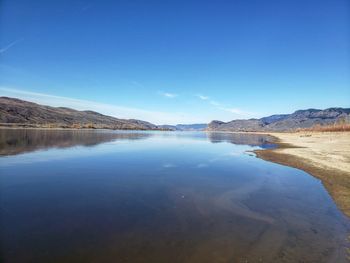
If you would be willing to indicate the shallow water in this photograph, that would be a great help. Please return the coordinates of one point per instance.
(106, 196)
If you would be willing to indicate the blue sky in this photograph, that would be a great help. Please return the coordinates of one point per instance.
(177, 61)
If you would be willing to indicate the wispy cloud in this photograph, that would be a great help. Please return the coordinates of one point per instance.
(202, 165)
(156, 117)
(169, 165)
(214, 103)
(4, 49)
(169, 95)
(207, 98)
(202, 97)
(221, 106)
(138, 84)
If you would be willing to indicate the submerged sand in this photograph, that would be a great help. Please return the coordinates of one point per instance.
(325, 155)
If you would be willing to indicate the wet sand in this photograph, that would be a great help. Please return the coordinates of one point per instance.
(324, 155)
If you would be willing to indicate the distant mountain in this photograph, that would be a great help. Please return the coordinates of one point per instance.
(285, 122)
(186, 127)
(16, 112)
(20, 113)
(192, 127)
(274, 118)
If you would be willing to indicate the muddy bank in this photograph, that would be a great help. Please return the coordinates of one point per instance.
(323, 155)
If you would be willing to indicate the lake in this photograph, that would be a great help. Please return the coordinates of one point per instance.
(127, 196)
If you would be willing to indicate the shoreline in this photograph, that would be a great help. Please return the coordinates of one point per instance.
(74, 129)
(324, 155)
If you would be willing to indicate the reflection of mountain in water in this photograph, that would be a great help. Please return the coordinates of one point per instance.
(15, 141)
(262, 140)
(19, 141)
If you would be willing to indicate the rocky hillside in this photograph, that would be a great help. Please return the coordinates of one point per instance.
(285, 122)
(15, 112)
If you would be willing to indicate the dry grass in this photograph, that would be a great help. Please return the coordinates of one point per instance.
(327, 128)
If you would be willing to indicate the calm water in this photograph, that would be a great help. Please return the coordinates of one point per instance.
(103, 196)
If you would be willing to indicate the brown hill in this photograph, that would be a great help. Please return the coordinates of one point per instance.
(16, 112)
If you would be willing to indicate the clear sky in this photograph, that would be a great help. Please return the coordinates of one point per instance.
(177, 61)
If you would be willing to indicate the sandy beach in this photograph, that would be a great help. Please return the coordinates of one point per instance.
(324, 155)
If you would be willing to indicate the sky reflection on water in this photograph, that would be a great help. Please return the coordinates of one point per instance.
(104, 196)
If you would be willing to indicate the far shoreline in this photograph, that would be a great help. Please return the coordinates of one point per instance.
(73, 129)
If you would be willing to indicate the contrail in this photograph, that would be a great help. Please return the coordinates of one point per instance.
(4, 49)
